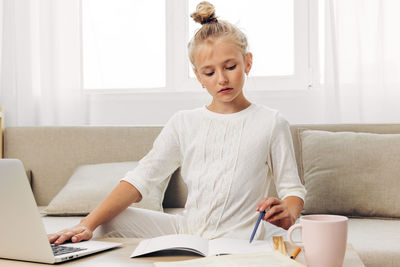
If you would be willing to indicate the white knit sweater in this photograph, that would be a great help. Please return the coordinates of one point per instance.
(225, 160)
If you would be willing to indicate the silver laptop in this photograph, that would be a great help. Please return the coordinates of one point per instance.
(22, 234)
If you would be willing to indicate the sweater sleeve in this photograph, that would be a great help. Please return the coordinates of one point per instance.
(283, 162)
(162, 160)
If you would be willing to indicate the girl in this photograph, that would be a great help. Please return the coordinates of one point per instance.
(225, 151)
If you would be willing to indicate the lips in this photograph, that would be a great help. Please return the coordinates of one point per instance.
(225, 90)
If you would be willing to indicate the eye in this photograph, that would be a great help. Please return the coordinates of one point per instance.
(209, 73)
(231, 67)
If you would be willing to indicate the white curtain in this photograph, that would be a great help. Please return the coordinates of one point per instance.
(362, 61)
(40, 68)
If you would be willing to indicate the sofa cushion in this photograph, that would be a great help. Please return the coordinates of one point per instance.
(354, 174)
(376, 241)
(90, 184)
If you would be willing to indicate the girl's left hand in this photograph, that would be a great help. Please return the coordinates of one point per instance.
(279, 213)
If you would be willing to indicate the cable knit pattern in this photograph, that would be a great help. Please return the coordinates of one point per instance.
(224, 160)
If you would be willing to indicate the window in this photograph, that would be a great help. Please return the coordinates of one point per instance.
(142, 44)
(272, 46)
(123, 44)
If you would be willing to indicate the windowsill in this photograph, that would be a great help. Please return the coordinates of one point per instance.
(189, 91)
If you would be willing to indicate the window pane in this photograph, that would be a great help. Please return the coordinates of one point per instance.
(123, 43)
(268, 25)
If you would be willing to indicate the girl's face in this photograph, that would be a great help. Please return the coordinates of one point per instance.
(221, 68)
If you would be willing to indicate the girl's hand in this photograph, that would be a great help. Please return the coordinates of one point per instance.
(76, 233)
(282, 213)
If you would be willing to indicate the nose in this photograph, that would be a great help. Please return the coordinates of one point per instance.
(222, 78)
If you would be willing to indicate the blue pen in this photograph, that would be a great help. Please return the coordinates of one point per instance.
(262, 214)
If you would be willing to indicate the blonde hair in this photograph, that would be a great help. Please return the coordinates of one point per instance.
(214, 28)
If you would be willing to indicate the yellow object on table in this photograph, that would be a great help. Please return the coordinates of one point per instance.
(295, 253)
(279, 244)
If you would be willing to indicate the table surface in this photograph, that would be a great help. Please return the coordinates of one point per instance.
(121, 257)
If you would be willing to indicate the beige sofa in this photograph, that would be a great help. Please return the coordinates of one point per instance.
(51, 154)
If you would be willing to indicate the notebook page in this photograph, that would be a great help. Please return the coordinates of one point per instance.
(238, 246)
(177, 242)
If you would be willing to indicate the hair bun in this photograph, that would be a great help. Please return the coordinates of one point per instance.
(205, 13)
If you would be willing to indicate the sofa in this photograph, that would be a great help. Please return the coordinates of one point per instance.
(348, 169)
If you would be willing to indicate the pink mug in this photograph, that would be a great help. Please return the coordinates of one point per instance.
(324, 239)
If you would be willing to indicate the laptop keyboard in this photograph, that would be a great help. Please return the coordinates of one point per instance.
(59, 250)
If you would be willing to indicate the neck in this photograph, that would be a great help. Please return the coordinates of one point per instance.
(229, 107)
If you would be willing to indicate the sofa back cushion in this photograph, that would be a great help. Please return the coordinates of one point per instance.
(90, 184)
(350, 173)
(387, 128)
(53, 153)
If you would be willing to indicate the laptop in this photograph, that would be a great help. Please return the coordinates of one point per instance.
(22, 233)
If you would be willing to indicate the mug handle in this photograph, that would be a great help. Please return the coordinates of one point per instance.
(289, 235)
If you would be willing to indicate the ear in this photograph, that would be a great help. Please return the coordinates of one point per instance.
(249, 62)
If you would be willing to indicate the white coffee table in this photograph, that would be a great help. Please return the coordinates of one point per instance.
(120, 257)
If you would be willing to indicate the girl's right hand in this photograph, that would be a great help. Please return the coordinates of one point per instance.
(119, 199)
(76, 233)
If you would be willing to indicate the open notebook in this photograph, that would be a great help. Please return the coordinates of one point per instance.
(200, 246)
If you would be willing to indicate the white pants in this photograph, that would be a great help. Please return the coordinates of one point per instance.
(140, 223)
(143, 223)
